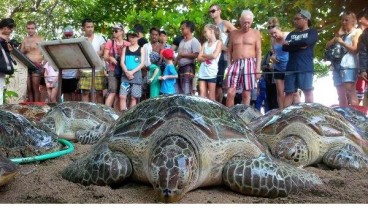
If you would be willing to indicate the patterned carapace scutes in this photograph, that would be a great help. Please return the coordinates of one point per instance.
(179, 143)
(310, 133)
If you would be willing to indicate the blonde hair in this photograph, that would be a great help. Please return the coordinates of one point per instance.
(350, 14)
(273, 22)
(215, 29)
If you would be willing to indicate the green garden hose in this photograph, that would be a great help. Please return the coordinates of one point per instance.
(47, 155)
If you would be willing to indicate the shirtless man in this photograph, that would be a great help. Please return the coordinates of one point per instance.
(244, 57)
(225, 28)
(30, 49)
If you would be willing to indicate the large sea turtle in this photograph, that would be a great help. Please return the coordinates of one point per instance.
(8, 170)
(309, 134)
(67, 118)
(33, 112)
(20, 137)
(179, 143)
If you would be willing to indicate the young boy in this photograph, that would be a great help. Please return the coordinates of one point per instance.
(170, 75)
(154, 74)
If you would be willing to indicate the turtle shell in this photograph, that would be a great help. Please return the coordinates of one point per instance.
(323, 120)
(213, 118)
(20, 137)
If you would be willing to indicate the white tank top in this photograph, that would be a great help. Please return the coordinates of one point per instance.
(209, 68)
(350, 60)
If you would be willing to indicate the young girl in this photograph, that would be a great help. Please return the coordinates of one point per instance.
(154, 74)
(51, 79)
(209, 56)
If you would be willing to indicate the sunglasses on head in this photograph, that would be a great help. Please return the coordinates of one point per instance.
(212, 11)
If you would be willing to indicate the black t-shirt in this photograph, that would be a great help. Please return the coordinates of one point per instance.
(142, 41)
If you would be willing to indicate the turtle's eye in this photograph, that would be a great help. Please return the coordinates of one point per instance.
(292, 149)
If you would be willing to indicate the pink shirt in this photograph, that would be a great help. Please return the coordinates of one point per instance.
(118, 50)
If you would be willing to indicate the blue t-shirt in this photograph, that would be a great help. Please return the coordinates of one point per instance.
(281, 56)
(301, 50)
(168, 85)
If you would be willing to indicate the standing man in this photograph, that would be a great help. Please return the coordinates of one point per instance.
(299, 70)
(225, 28)
(188, 51)
(244, 56)
(30, 48)
(363, 49)
(85, 82)
(154, 46)
(70, 77)
(6, 28)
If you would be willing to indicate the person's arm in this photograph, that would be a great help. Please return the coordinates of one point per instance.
(22, 47)
(215, 53)
(363, 55)
(353, 48)
(173, 74)
(154, 74)
(122, 61)
(301, 44)
(196, 48)
(229, 27)
(258, 54)
(230, 49)
(200, 55)
(142, 64)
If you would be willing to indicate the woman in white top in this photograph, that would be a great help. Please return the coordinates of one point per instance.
(209, 56)
(345, 74)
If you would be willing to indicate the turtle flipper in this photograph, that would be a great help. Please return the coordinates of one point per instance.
(346, 157)
(91, 136)
(104, 168)
(264, 177)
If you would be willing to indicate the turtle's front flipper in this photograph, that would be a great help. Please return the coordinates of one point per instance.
(265, 177)
(93, 135)
(345, 157)
(101, 167)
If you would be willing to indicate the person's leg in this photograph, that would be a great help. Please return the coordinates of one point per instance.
(35, 79)
(136, 94)
(212, 91)
(351, 93)
(288, 100)
(29, 89)
(308, 95)
(122, 101)
(230, 97)
(246, 97)
(54, 92)
(110, 99)
(202, 88)
(85, 96)
(280, 92)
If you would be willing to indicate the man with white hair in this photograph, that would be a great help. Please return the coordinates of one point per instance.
(244, 57)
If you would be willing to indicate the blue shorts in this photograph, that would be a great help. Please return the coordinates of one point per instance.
(298, 80)
(344, 75)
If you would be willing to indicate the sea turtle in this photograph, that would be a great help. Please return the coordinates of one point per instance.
(310, 134)
(178, 143)
(356, 117)
(20, 137)
(8, 170)
(33, 112)
(67, 118)
(245, 112)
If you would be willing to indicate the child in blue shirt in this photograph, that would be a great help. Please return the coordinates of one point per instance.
(168, 79)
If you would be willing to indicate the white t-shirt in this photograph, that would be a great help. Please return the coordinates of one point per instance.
(147, 50)
(209, 68)
(96, 44)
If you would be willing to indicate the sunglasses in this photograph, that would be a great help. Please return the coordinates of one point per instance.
(271, 26)
(116, 31)
(212, 11)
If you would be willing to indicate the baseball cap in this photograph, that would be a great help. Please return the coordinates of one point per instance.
(168, 53)
(132, 32)
(118, 26)
(68, 30)
(306, 14)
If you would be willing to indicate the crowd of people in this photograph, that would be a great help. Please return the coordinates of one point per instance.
(230, 62)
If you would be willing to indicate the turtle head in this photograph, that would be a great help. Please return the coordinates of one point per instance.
(173, 168)
(292, 149)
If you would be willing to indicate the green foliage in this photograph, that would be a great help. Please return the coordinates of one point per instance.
(8, 93)
(53, 15)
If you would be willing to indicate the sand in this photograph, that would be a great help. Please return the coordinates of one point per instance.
(42, 183)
